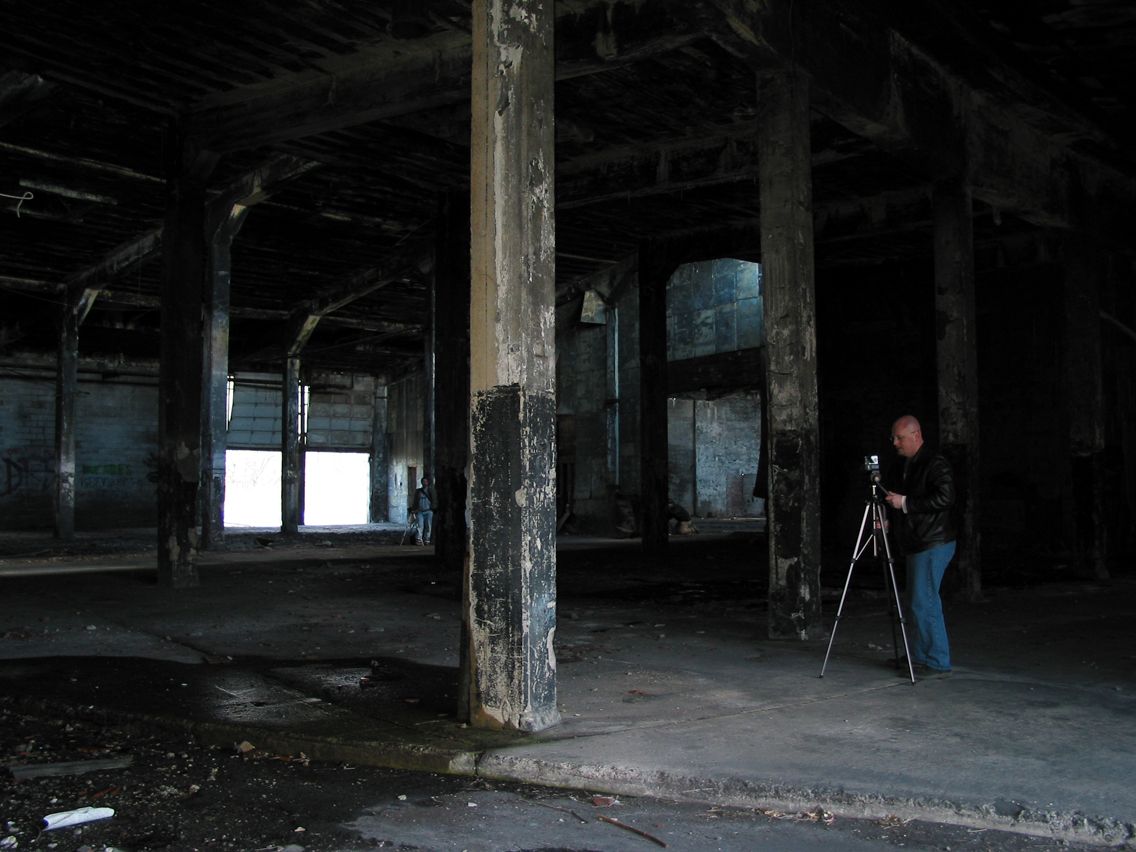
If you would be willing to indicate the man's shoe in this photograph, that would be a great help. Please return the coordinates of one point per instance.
(927, 672)
(901, 664)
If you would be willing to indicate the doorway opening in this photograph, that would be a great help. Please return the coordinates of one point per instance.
(337, 488)
(252, 488)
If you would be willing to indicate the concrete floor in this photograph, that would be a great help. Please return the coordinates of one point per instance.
(667, 684)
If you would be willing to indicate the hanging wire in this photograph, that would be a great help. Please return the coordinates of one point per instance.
(27, 196)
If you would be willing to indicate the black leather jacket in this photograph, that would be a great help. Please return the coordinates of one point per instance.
(930, 490)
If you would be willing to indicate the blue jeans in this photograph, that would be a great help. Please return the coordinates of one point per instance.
(425, 525)
(925, 571)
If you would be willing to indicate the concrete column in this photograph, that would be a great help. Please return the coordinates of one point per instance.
(429, 403)
(793, 507)
(184, 264)
(215, 373)
(958, 370)
(451, 371)
(654, 272)
(380, 458)
(510, 591)
(66, 390)
(291, 481)
(1118, 352)
(1084, 401)
(614, 391)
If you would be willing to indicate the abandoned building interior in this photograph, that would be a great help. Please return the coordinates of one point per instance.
(564, 257)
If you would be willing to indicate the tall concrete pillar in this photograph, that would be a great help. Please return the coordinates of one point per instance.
(510, 591)
(1084, 403)
(215, 372)
(654, 271)
(957, 359)
(66, 391)
(291, 463)
(451, 371)
(185, 258)
(1118, 352)
(429, 382)
(793, 505)
(380, 457)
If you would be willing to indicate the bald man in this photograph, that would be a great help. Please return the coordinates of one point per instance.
(922, 495)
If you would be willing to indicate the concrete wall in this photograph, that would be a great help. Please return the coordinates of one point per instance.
(597, 397)
(714, 306)
(117, 433)
(711, 307)
(713, 446)
(582, 417)
(341, 412)
(115, 446)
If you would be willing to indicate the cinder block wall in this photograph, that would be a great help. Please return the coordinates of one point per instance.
(115, 447)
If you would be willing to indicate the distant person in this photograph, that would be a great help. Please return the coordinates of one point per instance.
(681, 518)
(424, 506)
(922, 495)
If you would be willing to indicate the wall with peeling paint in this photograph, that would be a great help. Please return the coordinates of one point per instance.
(713, 447)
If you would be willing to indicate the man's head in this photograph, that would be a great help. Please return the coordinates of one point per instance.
(425, 480)
(906, 436)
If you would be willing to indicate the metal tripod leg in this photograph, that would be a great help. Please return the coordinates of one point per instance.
(857, 550)
(872, 509)
(895, 594)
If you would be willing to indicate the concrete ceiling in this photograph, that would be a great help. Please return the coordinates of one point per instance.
(351, 119)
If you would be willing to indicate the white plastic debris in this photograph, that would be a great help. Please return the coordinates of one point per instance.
(75, 817)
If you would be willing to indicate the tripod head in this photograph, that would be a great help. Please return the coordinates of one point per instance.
(872, 466)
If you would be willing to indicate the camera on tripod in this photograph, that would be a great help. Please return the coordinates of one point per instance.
(872, 464)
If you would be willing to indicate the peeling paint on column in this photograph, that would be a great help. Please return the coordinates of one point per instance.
(512, 595)
(512, 188)
(794, 605)
(793, 507)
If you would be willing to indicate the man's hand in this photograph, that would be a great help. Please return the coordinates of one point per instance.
(894, 500)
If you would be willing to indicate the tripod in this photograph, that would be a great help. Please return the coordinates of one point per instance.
(876, 538)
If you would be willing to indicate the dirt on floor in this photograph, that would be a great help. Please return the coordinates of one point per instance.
(168, 792)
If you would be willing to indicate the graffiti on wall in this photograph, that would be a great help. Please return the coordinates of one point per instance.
(26, 470)
(105, 477)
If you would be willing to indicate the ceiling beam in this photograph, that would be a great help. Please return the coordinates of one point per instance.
(877, 83)
(293, 331)
(117, 261)
(251, 188)
(79, 163)
(671, 166)
(396, 78)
